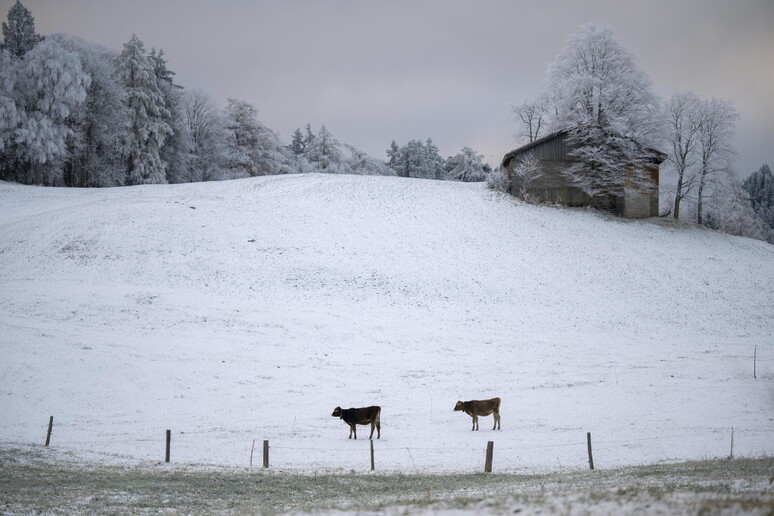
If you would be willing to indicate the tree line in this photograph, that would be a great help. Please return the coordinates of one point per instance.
(74, 113)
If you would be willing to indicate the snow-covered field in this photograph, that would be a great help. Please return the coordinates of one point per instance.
(247, 310)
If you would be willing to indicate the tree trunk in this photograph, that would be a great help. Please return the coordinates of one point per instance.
(700, 202)
(678, 197)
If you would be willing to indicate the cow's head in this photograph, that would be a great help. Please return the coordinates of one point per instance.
(458, 406)
(336, 412)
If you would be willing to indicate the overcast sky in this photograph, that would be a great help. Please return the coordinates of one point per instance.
(446, 69)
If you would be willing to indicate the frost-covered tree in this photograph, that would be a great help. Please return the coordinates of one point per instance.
(407, 161)
(606, 106)
(416, 159)
(528, 169)
(682, 139)
(324, 151)
(19, 36)
(145, 103)
(297, 143)
(393, 154)
(360, 163)
(308, 136)
(254, 149)
(498, 180)
(717, 123)
(760, 189)
(99, 125)
(730, 210)
(9, 118)
(206, 131)
(431, 162)
(469, 167)
(175, 152)
(49, 86)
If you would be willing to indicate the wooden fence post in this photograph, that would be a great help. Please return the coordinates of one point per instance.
(50, 426)
(266, 453)
(489, 453)
(732, 444)
(169, 442)
(372, 454)
(591, 457)
(252, 449)
(755, 363)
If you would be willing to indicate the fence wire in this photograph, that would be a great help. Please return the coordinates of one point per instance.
(420, 455)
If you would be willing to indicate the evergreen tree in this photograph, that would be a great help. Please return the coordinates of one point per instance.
(175, 152)
(145, 103)
(309, 136)
(432, 164)
(297, 144)
(19, 33)
(760, 189)
(393, 154)
(416, 159)
(324, 151)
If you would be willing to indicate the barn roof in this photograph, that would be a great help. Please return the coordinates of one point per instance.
(508, 157)
(658, 156)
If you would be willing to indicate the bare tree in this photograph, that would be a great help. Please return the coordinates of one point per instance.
(682, 114)
(717, 122)
(531, 118)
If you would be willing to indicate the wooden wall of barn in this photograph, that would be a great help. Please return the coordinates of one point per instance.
(553, 187)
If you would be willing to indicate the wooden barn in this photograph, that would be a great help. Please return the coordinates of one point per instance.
(553, 153)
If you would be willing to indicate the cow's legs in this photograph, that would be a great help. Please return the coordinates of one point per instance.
(496, 417)
(352, 430)
(475, 422)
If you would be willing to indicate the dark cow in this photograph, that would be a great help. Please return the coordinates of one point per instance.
(361, 416)
(477, 408)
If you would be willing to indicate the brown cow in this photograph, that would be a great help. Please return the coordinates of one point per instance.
(477, 408)
(361, 416)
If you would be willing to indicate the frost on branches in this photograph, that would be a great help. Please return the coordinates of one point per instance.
(467, 166)
(324, 150)
(147, 111)
(19, 36)
(49, 85)
(605, 104)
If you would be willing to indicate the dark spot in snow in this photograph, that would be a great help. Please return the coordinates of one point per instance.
(192, 207)
(251, 240)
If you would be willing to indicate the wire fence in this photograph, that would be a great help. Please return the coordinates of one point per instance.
(511, 453)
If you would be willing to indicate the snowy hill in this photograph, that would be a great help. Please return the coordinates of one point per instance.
(249, 309)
